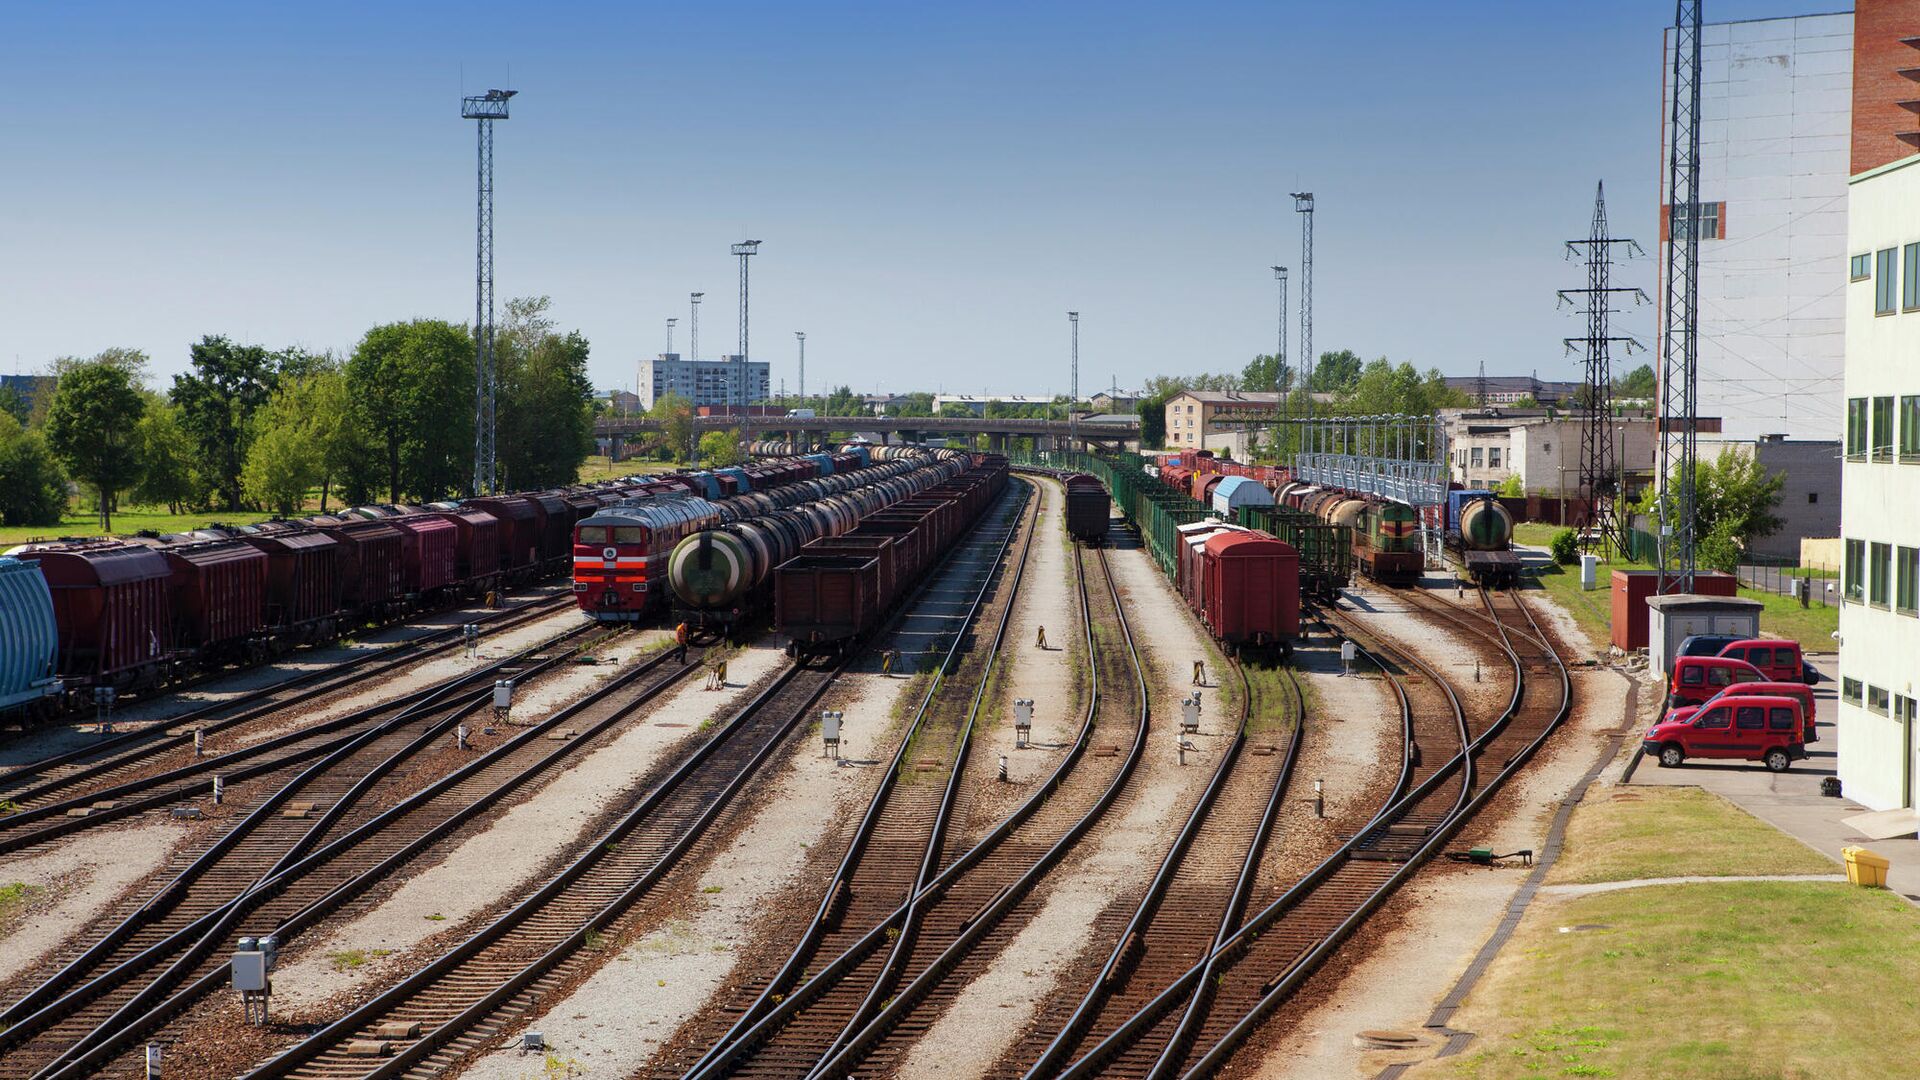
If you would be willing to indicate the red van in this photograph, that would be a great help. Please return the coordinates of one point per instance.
(1777, 659)
(1744, 728)
(1697, 678)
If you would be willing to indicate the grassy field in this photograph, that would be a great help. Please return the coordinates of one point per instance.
(599, 468)
(127, 523)
(1668, 832)
(1722, 981)
(1780, 616)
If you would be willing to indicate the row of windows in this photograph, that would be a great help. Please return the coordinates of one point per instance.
(1491, 458)
(1883, 576)
(1890, 268)
(1871, 430)
(1877, 700)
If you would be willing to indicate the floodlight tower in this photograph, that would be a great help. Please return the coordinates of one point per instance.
(801, 335)
(670, 323)
(693, 328)
(485, 108)
(1073, 392)
(745, 249)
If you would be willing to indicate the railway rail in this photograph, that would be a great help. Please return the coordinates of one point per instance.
(1196, 1024)
(279, 874)
(64, 805)
(141, 742)
(463, 999)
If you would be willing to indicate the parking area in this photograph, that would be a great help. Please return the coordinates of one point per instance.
(1791, 801)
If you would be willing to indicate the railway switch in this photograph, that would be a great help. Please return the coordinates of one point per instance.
(830, 720)
(1022, 722)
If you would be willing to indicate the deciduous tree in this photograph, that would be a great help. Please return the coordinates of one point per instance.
(33, 488)
(168, 475)
(217, 400)
(412, 385)
(90, 428)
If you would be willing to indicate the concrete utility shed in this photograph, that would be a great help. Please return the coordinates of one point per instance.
(1675, 617)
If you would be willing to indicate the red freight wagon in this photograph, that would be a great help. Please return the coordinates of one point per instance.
(519, 532)
(430, 550)
(112, 606)
(476, 551)
(555, 529)
(304, 579)
(825, 599)
(219, 595)
(1252, 591)
(878, 548)
(373, 561)
(1087, 508)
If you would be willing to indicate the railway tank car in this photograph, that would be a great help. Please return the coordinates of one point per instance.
(1481, 531)
(29, 643)
(1386, 534)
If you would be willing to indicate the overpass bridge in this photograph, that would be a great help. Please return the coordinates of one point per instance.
(1047, 434)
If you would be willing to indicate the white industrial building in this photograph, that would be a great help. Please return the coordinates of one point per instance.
(1775, 135)
(704, 382)
(1880, 494)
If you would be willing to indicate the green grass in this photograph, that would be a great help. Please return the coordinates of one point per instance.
(1782, 616)
(348, 959)
(126, 523)
(1724, 981)
(600, 467)
(14, 898)
(1669, 832)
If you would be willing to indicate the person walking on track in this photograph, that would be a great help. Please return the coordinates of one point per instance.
(680, 642)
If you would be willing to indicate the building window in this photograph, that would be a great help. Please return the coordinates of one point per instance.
(1478, 456)
(1813, 497)
(1711, 217)
(1853, 574)
(1910, 429)
(1860, 268)
(1850, 691)
(1906, 581)
(1883, 429)
(1885, 275)
(1493, 457)
(1857, 429)
(1910, 279)
(1876, 699)
(1879, 574)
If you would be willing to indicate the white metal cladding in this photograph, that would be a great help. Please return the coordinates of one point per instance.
(1775, 146)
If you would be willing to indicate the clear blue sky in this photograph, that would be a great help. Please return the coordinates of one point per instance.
(936, 185)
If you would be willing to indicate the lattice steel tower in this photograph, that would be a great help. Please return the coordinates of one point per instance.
(746, 249)
(1679, 313)
(1282, 375)
(802, 336)
(486, 108)
(1303, 205)
(1599, 463)
(693, 326)
(1073, 392)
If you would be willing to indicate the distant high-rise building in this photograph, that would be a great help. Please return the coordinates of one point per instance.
(1776, 100)
(703, 382)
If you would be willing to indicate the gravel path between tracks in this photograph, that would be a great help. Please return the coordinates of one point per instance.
(74, 882)
(499, 862)
(1118, 857)
(615, 1021)
(1426, 936)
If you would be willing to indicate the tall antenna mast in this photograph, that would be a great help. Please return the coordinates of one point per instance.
(1303, 205)
(746, 249)
(1073, 392)
(1679, 341)
(486, 108)
(1599, 480)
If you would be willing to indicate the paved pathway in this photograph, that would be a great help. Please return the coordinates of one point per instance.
(1691, 879)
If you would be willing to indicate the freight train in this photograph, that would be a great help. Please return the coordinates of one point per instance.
(839, 588)
(138, 613)
(1386, 534)
(722, 576)
(1480, 532)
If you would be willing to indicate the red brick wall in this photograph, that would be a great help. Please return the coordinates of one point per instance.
(1879, 55)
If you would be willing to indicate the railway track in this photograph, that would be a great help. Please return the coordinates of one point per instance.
(901, 838)
(64, 806)
(465, 998)
(166, 955)
(1197, 1023)
(121, 755)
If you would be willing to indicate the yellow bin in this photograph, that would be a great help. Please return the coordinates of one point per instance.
(1866, 868)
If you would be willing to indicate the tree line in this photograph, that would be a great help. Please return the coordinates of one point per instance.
(246, 427)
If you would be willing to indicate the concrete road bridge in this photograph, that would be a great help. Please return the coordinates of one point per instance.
(1049, 434)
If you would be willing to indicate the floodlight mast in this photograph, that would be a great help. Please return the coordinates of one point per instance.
(485, 108)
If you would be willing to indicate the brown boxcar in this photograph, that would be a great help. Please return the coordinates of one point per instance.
(429, 549)
(1088, 508)
(476, 550)
(822, 602)
(519, 532)
(112, 605)
(304, 578)
(373, 561)
(1252, 591)
(219, 596)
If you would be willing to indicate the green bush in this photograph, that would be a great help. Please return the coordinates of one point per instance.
(1565, 547)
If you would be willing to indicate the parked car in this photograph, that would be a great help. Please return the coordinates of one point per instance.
(1757, 728)
(1706, 644)
(1697, 678)
(1777, 658)
(1798, 691)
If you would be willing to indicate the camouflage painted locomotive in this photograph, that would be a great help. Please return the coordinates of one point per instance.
(1386, 534)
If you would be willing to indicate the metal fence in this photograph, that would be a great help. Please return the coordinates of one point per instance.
(1813, 586)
